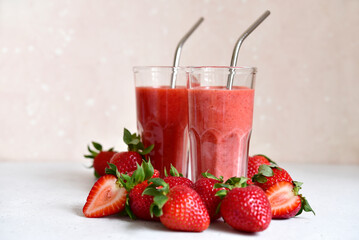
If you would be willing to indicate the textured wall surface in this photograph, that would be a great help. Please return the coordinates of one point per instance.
(66, 71)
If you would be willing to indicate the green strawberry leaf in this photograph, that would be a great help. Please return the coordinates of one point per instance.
(259, 178)
(305, 206)
(134, 141)
(208, 175)
(128, 209)
(297, 187)
(160, 200)
(221, 193)
(94, 153)
(127, 137)
(235, 182)
(138, 174)
(142, 173)
(126, 177)
(158, 182)
(155, 210)
(91, 151)
(122, 183)
(218, 208)
(174, 172)
(265, 170)
(97, 146)
(147, 150)
(159, 194)
(126, 182)
(148, 169)
(152, 191)
(111, 170)
(222, 185)
(140, 144)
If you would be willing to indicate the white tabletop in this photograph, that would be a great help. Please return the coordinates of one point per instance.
(45, 200)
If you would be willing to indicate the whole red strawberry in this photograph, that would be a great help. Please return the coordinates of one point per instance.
(254, 163)
(269, 175)
(180, 208)
(245, 208)
(101, 158)
(140, 204)
(106, 197)
(137, 204)
(285, 200)
(127, 161)
(175, 178)
(205, 188)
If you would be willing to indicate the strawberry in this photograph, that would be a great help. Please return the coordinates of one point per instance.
(127, 161)
(179, 208)
(176, 178)
(100, 158)
(285, 200)
(254, 163)
(138, 205)
(269, 175)
(245, 208)
(106, 197)
(204, 187)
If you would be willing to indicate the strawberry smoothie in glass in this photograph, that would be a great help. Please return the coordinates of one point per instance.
(220, 120)
(162, 116)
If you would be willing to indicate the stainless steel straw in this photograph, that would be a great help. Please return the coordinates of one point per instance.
(179, 49)
(238, 46)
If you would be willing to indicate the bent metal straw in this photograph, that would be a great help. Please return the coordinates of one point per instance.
(238, 46)
(179, 49)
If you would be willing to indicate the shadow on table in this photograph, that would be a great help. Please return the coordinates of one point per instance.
(136, 225)
(221, 226)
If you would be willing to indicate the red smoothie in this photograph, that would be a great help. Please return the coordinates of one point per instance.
(220, 125)
(162, 120)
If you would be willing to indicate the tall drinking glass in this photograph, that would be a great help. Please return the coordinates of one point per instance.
(220, 120)
(162, 115)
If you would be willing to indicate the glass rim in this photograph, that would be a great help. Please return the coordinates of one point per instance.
(206, 68)
(214, 68)
(156, 68)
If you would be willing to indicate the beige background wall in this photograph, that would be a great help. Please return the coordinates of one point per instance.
(66, 71)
